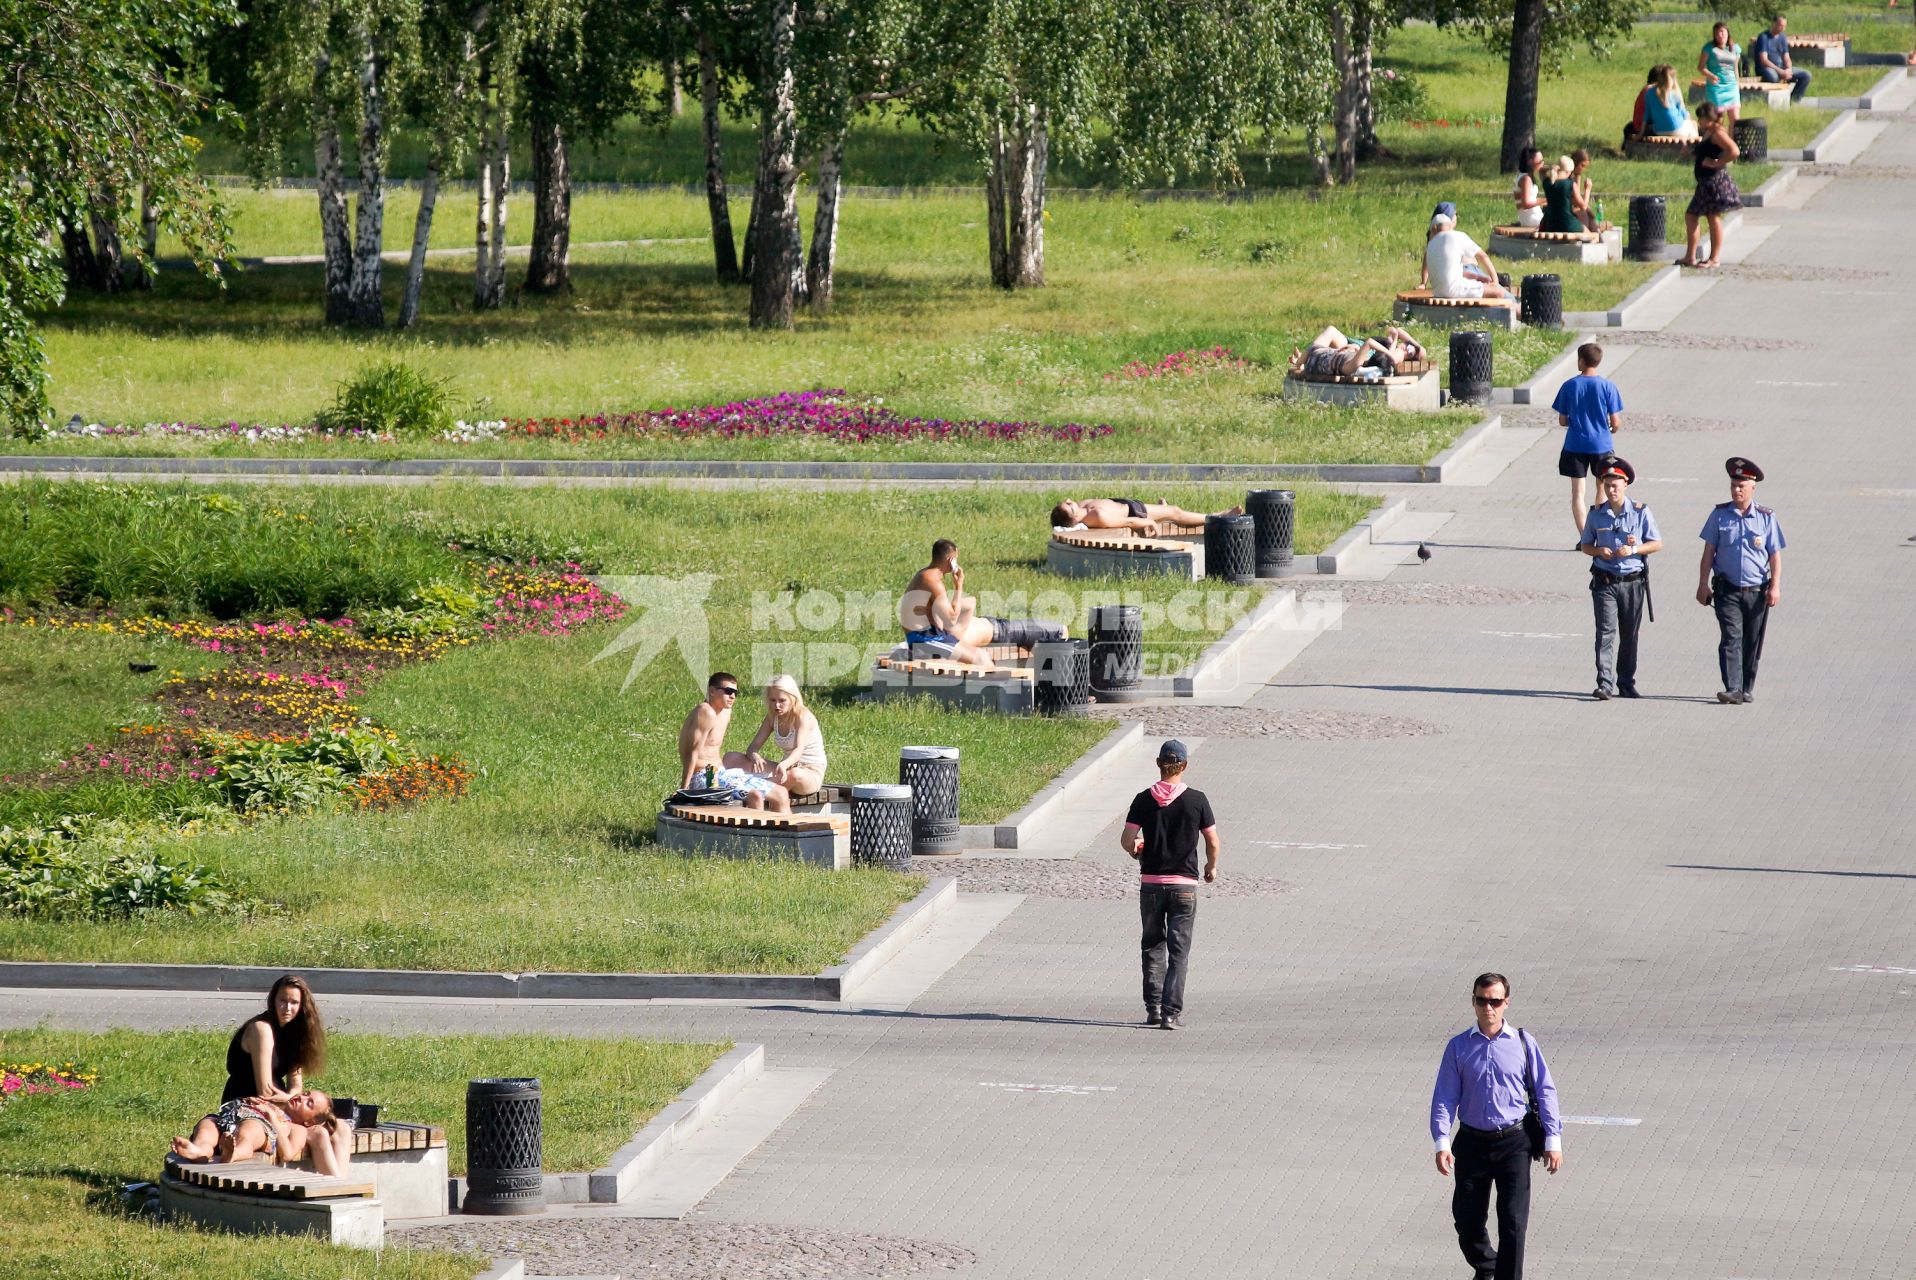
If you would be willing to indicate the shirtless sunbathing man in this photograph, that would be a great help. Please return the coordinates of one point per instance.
(942, 625)
(1127, 513)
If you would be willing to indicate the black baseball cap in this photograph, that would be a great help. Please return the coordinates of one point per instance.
(1174, 752)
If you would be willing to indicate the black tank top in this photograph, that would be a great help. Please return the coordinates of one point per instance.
(240, 1082)
(1705, 149)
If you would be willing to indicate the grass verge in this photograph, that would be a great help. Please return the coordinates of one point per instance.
(63, 1157)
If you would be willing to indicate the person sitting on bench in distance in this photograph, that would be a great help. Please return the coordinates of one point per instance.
(938, 625)
(1664, 112)
(1560, 197)
(1147, 518)
(702, 749)
(800, 768)
(1454, 265)
(285, 1131)
(1331, 353)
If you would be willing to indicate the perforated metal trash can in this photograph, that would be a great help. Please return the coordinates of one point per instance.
(1752, 137)
(1273, 515)
(1117, 652)
(1649, 225)
(882, 825)
(1061, 676)
(932, 775)
(1542, 301)
(504, 1134)
(1470, 366)
(1230, 548)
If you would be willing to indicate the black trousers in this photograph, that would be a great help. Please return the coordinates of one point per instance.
(1168, 911)
(1619, 610)
(1485, 1160)
(1741, 615)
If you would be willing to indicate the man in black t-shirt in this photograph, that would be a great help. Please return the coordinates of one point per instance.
(1162, 831)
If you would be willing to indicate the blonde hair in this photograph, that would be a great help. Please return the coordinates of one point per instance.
(1665, 81)
(1564, 167)
(787, 685)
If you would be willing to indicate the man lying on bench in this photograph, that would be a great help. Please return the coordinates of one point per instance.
(1146, 518)
(938, 625)
(1331, 354)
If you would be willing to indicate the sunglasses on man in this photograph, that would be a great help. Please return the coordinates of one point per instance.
(1489, 1002)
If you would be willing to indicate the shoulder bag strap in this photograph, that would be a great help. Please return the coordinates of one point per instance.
(1529, 1084)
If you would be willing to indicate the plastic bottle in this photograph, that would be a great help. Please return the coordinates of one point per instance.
(1600, 217)
(711, 776)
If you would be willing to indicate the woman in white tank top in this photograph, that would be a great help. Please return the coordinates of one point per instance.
(794, 730)
(1528, 193)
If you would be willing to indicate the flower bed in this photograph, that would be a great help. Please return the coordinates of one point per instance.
(24, 1079)
(1184, 364)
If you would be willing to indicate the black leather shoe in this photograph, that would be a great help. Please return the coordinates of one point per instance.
(1725, 696)
(1153, 1017)
(1749, 695)
(1600, 695)
(1628, 693)
(1172, 1021)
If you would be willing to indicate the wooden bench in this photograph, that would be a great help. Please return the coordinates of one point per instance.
(1125, 553)
(1419, 305)
(259, 1198)
(733, 831)
(1413, 388)
(1775, 95)
(1010, 690)
(1658, 146)
(1820, 49)
(1592, 248)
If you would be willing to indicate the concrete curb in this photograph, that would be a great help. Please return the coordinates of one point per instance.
(1549, 375)
(1364, 532)
(504, 1269)
(653, 469)
(1822, 142)
(1867, 102)
(1009, 833)
(719, 1084)
(908, 921)
(906, 924)
(1618, 317)
(1281, 602)
(1773, 186)
(1447, 462)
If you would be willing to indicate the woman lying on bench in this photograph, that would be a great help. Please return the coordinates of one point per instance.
(285, 1132)
(1331, 354)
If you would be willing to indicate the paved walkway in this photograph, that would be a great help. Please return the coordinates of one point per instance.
(1705, 910)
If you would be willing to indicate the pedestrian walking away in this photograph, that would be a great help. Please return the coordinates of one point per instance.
(1589, 408)
(1619, 536)
(1167, 822)
(1741, 577)
(1494, 1110)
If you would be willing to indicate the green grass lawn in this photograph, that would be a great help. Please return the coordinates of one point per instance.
(548, 865)
(64, 1157)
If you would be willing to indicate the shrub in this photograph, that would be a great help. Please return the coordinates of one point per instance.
(272, 775)
(502, 542)
(392, 397)
(1398, 95)
(83, 868)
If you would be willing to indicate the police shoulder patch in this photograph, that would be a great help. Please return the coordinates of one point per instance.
(1766, 511)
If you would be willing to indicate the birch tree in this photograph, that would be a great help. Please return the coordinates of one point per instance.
(89, 104)
(775, 272)
(442, 104)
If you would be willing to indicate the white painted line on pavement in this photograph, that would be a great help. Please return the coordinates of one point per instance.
(1305, 844)
(1898, 970)
(1615, 1122)
(1073, 1090)
(1537, 635)
(1886, 493)
(1763, 383)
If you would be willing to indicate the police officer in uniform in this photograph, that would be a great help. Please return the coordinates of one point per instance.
(1742, 576)
(1618, 535)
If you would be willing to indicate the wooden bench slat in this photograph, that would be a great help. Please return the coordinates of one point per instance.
(1423, 299)
(737, 816)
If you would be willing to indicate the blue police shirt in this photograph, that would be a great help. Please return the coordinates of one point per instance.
(1606, 528)
(1588, 400)
(1743, 542)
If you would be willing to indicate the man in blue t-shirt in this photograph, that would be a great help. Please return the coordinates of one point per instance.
(1590, 407)
(1772, 53)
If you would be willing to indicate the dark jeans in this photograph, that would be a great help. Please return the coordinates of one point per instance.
(1741, 615)
(1169, 911)
(1486, 1159)
(1800, 78)
(1619, 609)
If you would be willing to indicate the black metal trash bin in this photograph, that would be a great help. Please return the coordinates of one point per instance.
(1470, 366)
(503, 1147)
(1752, 137)
(932, 775)
(882, 825)
(1117, 652)
(1061, 676)
(1649, 227)
(1230, 548)
(1542, 301)
(1273, 517)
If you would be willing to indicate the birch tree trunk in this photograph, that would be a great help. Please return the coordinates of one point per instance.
(776, 270)
(1343, 160)
(368, 309)
(149, 239)
(82, 271)
(1029, 158)
(108, 258)
(549, 271)
(717, 203)
(1320, 159)
(489, 269)
(1368, 147)
(331, 182)
(421, 236)
(819, 266)
(995, 231)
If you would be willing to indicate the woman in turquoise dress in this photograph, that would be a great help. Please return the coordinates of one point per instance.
(1718, 63)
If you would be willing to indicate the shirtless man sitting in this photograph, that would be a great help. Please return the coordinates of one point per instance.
(941, 625)
(702, 744)
(1146, 518)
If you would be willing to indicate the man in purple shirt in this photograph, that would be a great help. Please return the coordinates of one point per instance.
(1476, 1119)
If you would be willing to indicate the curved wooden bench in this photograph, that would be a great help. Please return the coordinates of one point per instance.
(1658, 146)
(1591, 248)
(258, 1198)
(733, 831)
(1776, 95)
(1418, 304)
(733, 815)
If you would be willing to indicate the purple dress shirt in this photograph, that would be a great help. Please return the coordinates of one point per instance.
(1480, 1082)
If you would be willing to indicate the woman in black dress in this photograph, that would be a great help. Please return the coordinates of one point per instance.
(1716, 192)
(272, 1052)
